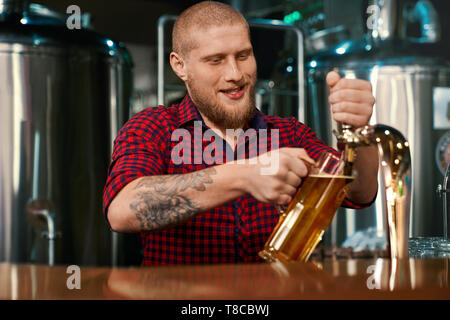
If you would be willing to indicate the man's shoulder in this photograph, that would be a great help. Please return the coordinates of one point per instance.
(153, 118)
(159, 114)
(151, 123)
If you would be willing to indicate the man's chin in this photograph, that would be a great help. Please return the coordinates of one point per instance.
(235, 121)
(228, 113)
(235, 104)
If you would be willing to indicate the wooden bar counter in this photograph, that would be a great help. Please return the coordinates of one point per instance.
(328, 279)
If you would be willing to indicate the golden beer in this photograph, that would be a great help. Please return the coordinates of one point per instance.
(303, 223)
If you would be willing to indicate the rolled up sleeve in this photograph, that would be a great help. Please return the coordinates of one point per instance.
(137, 152)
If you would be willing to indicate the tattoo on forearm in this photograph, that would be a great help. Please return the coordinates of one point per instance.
(158, 202)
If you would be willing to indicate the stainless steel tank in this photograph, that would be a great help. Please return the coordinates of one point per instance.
(63, 96)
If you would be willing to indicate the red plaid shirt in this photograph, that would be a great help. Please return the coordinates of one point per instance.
(233, 232)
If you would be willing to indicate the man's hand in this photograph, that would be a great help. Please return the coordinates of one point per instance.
(280, 187)
(351, 100)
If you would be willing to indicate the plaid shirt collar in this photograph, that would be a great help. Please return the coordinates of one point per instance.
(187, 112)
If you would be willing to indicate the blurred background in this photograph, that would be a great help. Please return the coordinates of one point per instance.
(73, 71)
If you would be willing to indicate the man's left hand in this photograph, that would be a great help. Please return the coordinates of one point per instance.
(351, 100)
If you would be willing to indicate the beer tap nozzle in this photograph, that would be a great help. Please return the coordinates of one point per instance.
(349, 138)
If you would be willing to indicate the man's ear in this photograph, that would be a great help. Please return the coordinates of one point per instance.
(178, 65)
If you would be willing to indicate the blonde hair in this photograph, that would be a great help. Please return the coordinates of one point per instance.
(201, 16)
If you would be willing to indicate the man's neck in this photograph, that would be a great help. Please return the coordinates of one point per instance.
(222, 132)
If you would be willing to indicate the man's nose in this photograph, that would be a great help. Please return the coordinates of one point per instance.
(232, 71)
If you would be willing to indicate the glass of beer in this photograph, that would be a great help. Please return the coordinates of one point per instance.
(303, 222)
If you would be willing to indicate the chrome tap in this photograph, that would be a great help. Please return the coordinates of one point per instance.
(349, 139)
(443, 191)
(446, 203)
(40, 214)
(395, 164)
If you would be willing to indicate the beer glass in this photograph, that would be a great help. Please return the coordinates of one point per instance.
(303, 222)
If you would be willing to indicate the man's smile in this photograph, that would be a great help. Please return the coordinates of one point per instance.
(234, 93)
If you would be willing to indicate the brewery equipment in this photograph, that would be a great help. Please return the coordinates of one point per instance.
(410, 77)
(64, 93)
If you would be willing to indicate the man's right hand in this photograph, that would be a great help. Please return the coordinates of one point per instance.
(280, 187)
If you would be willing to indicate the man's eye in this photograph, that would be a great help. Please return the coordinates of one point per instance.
(215, 60)
(243, 56)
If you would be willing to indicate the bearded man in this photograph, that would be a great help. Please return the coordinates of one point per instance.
(192, 212)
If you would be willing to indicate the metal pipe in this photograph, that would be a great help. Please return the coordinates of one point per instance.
(443, 190)
(51, 235)
(40, 214)
(280, 25)
(446, 190)
(161, 24)
(114, 129)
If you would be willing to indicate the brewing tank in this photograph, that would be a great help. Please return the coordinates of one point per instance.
(64, 93)
(411, 86)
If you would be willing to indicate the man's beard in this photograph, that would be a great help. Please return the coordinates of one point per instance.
(218, 114)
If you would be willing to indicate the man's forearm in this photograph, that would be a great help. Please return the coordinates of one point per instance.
(161, 201)
(365, 186)
(157, 202)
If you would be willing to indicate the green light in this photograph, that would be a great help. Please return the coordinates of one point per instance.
(292, 17)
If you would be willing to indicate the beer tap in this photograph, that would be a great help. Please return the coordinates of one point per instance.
(349, 138)
(395, 163)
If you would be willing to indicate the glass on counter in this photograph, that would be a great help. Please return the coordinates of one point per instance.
(428, 247)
